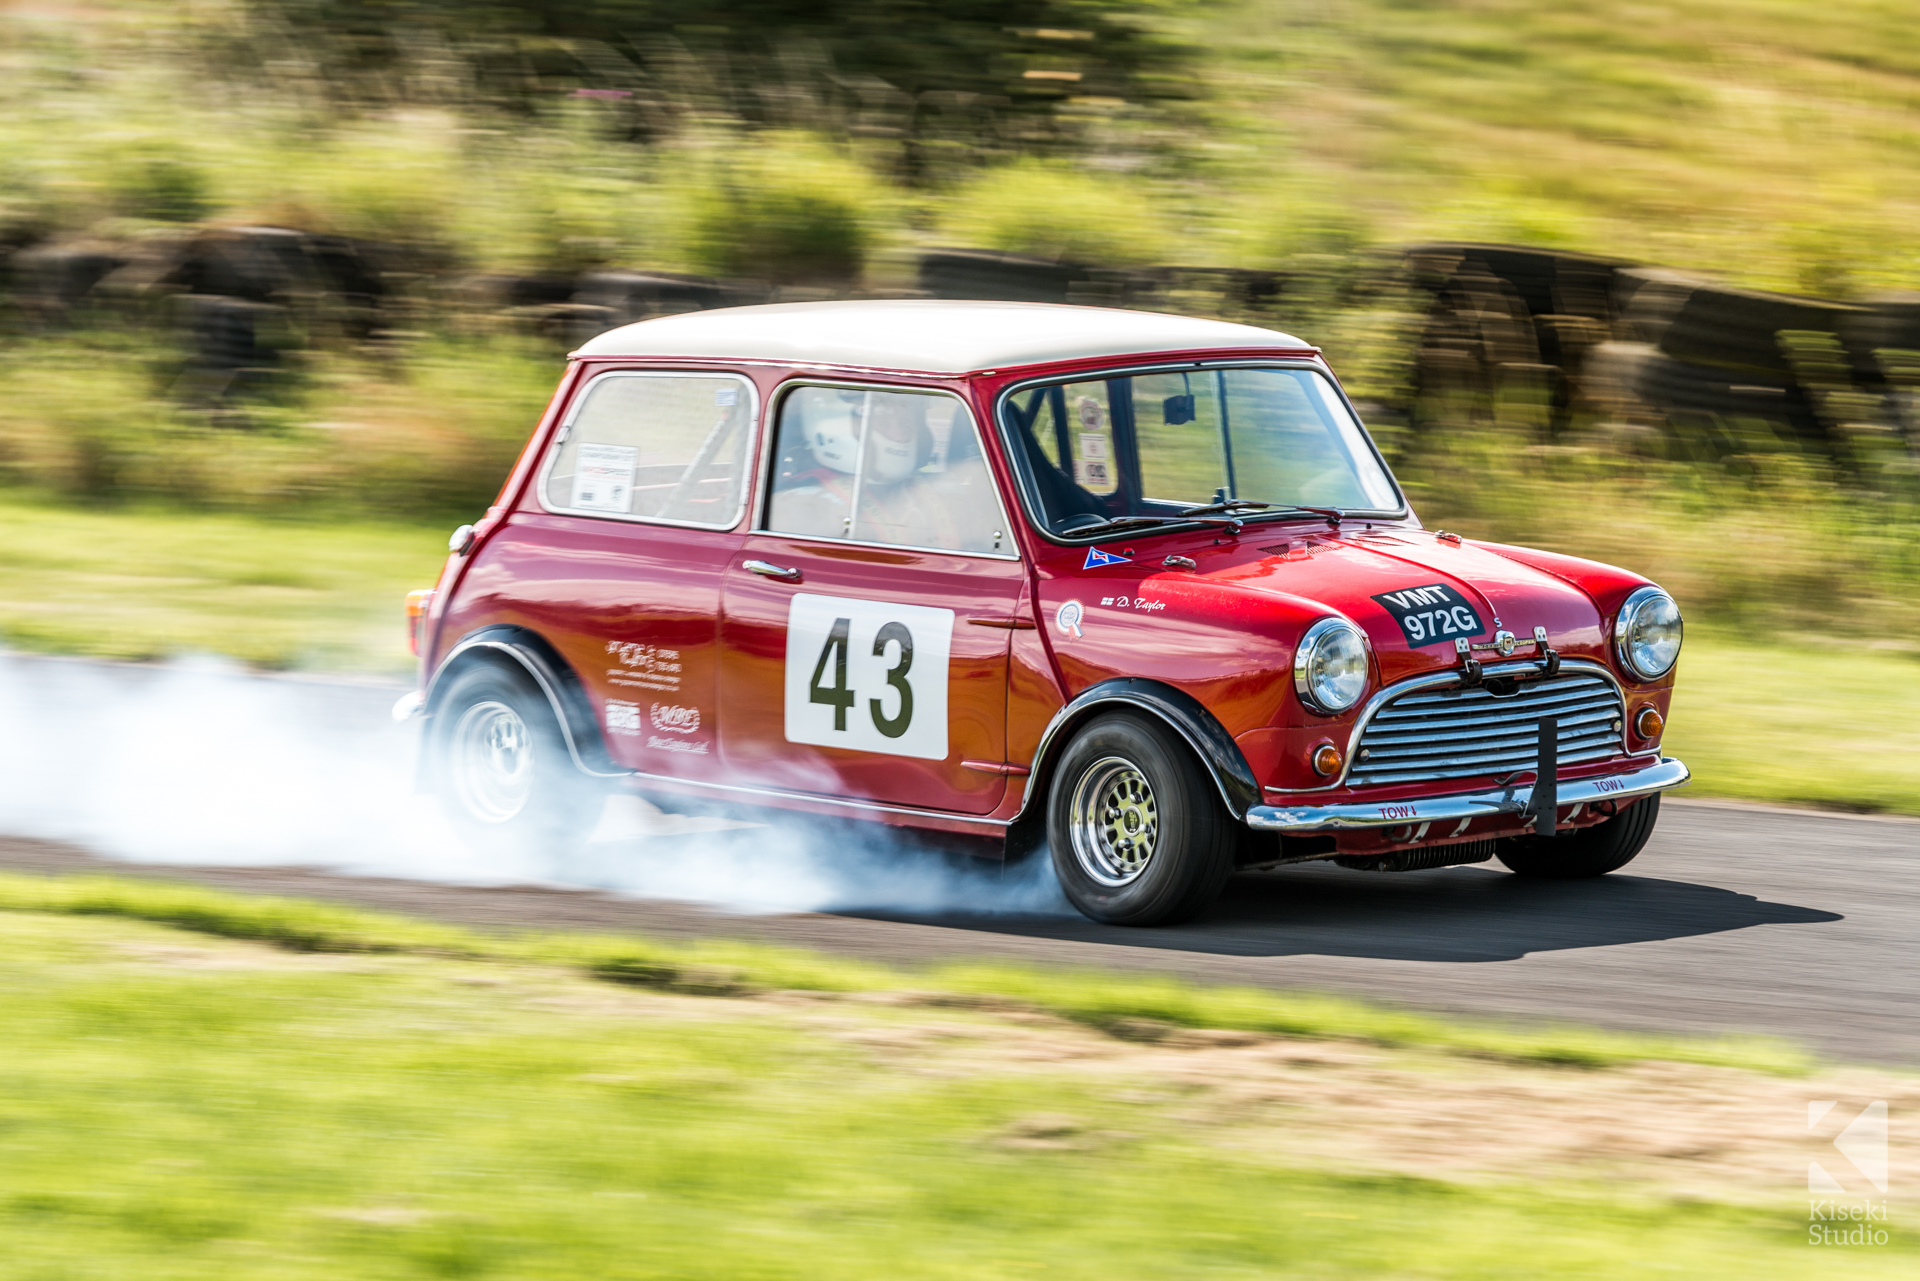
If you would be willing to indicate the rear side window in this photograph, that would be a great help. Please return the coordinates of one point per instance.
(666, 447)
(882, 466)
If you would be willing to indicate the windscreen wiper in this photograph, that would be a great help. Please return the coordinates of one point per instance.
(1332, 515)
(1231, 505)
(1148, 522)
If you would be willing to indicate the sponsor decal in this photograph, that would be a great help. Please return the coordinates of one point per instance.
(689, 747)
(674, 720)
(623, 718)
(868, 675)
(1097, 558)
(1433, 614)
(1068, 619)
(642, 666)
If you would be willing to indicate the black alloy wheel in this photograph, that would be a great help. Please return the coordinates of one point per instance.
(1137, 830)
(1590, 851)
(502, 770)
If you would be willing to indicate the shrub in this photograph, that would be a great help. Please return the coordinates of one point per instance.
(785, 209)
(1051, 209)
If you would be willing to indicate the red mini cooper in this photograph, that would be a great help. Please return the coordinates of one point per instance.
(1135, 587)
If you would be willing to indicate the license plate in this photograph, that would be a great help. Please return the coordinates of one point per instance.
(1433, 614)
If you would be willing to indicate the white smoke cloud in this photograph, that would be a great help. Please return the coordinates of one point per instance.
(198, 762)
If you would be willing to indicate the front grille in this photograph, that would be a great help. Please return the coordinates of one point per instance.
(1462, 733)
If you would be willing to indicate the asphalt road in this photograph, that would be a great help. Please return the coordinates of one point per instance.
(1732, 920)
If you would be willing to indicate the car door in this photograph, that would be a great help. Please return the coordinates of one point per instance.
(866, 620)
(638, 507)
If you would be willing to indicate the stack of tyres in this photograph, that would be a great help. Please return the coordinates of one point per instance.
(1508, 325)
(1727, 368)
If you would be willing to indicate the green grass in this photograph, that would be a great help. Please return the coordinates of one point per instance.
(1729, 136)
(173, 1112)
(1836, 725)
(145, 584)
(1136, 1006)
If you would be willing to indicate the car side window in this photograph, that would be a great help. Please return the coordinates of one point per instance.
(884, 466)
(668, 447)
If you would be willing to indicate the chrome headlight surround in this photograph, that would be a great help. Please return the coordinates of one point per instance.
(1330, 666)
(1647, 634)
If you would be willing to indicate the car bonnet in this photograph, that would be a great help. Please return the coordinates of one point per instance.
(1414, 593)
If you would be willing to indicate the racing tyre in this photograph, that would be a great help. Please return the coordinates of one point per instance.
(1591, 851)
(502, 769)
(1137, 832)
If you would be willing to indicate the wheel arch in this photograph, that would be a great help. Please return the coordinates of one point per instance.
(526, 651)
(1186, 715)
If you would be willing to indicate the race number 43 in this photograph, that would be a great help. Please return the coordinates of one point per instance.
(868, 675)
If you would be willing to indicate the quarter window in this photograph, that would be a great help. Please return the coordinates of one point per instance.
(658, 447)
(877, 466)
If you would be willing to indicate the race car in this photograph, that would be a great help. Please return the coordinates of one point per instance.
(1137, 589)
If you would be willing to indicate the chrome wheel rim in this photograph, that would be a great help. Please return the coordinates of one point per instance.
(492, 763)
(1115, 822)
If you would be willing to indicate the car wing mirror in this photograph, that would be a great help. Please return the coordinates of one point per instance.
(1177, 409)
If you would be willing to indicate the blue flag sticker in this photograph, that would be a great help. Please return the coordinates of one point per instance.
(1096, 558)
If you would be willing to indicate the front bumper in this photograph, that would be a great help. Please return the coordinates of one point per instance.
(1296, 820)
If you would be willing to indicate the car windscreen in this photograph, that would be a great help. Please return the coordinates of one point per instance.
(1153, 445)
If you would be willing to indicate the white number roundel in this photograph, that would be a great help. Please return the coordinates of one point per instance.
(868, 675)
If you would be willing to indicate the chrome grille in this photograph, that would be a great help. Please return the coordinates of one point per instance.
(1462, 733)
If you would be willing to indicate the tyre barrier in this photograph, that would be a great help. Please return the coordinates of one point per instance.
(1719, 369)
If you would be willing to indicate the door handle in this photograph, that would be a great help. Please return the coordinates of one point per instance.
(771, 570)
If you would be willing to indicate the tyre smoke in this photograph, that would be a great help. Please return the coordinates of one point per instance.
(197, 762)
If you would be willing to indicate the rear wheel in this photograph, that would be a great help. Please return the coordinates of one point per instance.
(504, 775)
(1138, 834)
(1591, 851)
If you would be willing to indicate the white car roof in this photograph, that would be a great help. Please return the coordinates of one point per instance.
(925, 336)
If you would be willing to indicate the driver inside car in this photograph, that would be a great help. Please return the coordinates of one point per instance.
(898, 500)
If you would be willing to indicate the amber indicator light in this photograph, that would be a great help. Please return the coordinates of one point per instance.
(417, 603)
(1647, 723)
(1326, 760)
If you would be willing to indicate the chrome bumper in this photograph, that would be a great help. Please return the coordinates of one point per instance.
(1295, 819)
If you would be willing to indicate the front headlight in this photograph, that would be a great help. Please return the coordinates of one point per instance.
(1647, 633)
(1330, 667)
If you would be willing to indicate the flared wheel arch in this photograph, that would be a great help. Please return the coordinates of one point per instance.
(1186, 715)
(518, 648)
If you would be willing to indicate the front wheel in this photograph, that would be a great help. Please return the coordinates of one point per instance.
(1137, 832)
(1591, 851)
(503, 772)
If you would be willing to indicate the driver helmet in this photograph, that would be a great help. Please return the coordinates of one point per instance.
(898, 441)
(834, 436)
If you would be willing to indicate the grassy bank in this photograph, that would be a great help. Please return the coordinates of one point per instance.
(146, 584)
(719, 967)
(177, 1106)
(1834, 725)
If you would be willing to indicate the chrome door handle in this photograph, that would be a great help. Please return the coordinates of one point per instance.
(772, 571)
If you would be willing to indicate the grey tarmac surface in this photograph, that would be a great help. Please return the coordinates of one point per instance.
(1733, 920)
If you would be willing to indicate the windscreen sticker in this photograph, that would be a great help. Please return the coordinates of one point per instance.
(868, 675)
(603, 478)
(1431, 615)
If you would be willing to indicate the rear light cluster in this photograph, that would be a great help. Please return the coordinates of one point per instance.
(418, 603)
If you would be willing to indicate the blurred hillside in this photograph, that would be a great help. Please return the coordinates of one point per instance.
(320, 256)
